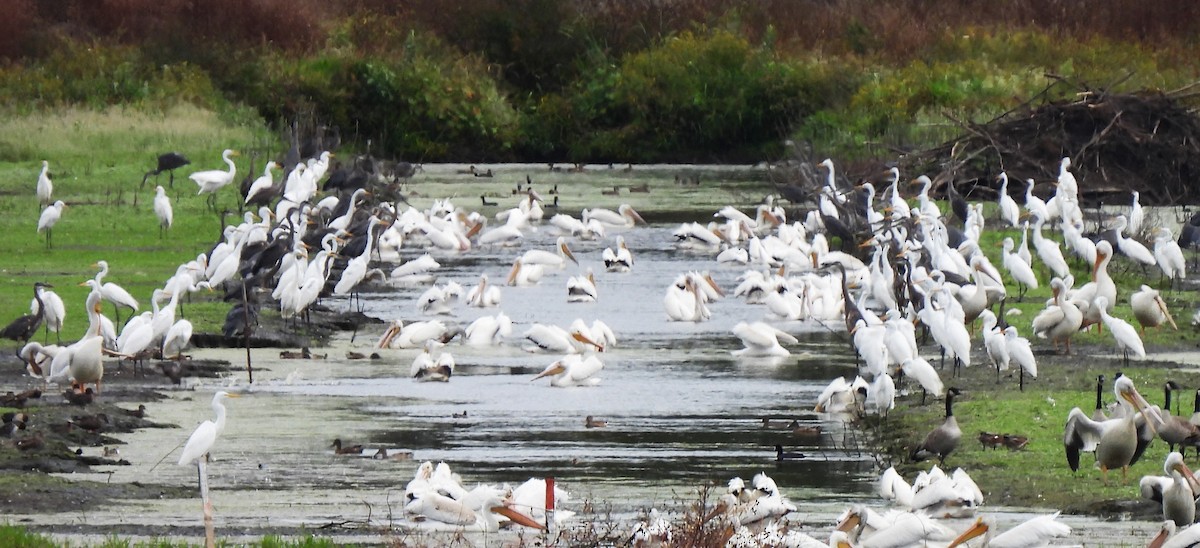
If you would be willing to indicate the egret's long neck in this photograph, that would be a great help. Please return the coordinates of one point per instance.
(229, 161)
(220, 410)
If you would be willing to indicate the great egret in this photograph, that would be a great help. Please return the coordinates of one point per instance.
(45, 188)
(213, 180)
(112, 292)
(1009, 210)
(162, 210)
(48, 219)
(201, 442)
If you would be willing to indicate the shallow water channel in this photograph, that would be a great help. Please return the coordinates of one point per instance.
(682, 413)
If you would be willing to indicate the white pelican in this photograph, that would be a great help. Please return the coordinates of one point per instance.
(841, 396)
(416, 271)
(213, 180)
(440, 299)
(426, 368)
(756, 505)
(489, 330)
(201, 442)
(1059, 321)
(582, 289)
(1168, 254)
(1115, 441)
(411, 335)
(761, 339)
(893, 529)
(1101, 285)
(1128, 341)
(551, 338)
(162, 210)
(624, 216)
(684, 302)
(177, 339)
(440, 510)
(573, 370)
(892, 487)
(557, 259)
(1149, 309)
(584, 231)
(38, 358)
(484, 294)
(598, 332)
(1179, 496)
(45, 187)
(529, 498)
(696, 236)
(1034, 532)
(620, 260)
(1167, 537)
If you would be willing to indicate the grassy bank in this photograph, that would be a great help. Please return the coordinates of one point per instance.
(97, 160)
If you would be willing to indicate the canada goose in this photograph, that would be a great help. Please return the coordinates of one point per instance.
(1176, 430)
(941, 441)
(1098, 414)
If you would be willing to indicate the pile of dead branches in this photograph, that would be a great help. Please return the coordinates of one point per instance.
(1118, 143)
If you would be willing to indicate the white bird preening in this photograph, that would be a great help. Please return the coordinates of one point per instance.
(162, 210)
(45, 187)
(197, 449)
(1128, 340)
(625, 216)
(1034, 532)
(620, 259)
(582, 289)
(48, 219)
(573, 370)
(426, 368)
(761, 339)
(213, 180)
(484, 294)
(1149, 308)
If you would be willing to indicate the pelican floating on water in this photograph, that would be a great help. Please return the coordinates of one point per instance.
(761, 339)
(573, 370)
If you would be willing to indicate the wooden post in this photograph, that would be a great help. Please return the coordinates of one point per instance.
(209, 534)
(549, 505)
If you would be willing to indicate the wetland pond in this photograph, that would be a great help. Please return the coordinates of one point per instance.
(682, 412)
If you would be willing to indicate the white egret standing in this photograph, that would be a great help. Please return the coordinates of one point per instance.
(162, 209)
(197, 448)
(213, 180)
(48, 219)
(45, 188)
(1126, 336)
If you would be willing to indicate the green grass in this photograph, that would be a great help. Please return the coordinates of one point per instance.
(13, 536)
(97, 160)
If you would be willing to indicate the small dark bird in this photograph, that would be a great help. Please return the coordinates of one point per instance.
(9, 428)
(351, 355)
(111, 452)
(781, 455)
(462, 415)
(339, 449)
(21, 329)
(91, 423)
(31, 443)
(591, 422)
(172, 370)
(168, 162)
(943, 440)
(990, 441)
(1015, 443)
(18, 400)
(383, 454)
(140, 412)
(486, 202)
(806, 431)
(75, 397)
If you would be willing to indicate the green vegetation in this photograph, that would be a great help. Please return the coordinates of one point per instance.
(19, 537)
(539, 80)
(97, 159)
